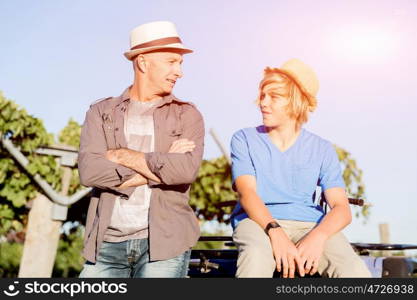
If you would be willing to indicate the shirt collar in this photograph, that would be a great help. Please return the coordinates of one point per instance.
(125, 96)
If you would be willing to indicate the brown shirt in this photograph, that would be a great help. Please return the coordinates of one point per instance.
(173, 227)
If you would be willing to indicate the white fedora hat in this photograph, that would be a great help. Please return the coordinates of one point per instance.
(154, 36)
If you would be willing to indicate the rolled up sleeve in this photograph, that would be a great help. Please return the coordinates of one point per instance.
(178, 168)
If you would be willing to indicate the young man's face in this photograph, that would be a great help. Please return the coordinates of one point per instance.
(163, 69)
(273, 107)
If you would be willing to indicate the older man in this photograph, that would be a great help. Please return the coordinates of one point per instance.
(141, 151)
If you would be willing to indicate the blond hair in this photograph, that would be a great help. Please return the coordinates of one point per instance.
(300, 101)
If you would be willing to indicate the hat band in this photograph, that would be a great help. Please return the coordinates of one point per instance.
(158, 42)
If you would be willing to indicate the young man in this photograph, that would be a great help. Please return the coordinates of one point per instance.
(141, 151)
(276, 168)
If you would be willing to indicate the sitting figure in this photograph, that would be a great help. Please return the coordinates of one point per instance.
(276, 168)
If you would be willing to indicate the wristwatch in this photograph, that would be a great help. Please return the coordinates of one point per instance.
(272, 224)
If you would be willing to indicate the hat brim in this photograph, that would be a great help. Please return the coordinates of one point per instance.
(293, 78)
(175, 47)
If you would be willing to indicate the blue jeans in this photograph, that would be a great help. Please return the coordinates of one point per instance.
(130, 259)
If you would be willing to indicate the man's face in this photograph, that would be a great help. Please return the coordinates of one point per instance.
(163, 68)
(273, 107)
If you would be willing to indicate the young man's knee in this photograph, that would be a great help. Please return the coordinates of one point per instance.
(255, 263)
(256, 253)
(359, 269)
(351, 268)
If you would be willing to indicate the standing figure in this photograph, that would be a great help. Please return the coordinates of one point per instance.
(140, 152)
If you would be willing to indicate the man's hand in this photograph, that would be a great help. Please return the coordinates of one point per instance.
(136, 180)
(311, 249)
(182, 146)
(116, 155)
(285, 253)
(135, 160)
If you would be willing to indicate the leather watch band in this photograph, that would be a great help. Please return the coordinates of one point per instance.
(272, 224)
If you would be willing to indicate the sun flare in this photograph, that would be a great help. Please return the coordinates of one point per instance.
(363, 43)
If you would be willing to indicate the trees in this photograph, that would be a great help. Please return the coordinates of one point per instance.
(352, 175)
(212, 187)
(17, 191)
(16, 188)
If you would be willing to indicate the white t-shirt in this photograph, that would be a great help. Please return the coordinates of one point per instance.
(130, 216)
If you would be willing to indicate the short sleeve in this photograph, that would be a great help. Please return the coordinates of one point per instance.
(330, 171)
(241, 161)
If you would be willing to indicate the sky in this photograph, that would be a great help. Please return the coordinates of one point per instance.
(57, 57)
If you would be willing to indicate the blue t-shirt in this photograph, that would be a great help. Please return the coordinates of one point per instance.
(285, 181)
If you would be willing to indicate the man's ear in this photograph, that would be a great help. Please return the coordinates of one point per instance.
(141, 63)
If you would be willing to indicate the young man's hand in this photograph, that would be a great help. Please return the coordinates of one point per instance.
(286, 253)
(311, 249)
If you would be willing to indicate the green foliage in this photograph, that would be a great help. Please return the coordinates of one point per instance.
(26, 130)
(70, 135)
(69, 262)
(378, 253)
(212, 187)
(75, 184)
(10, 254)
(208, 245)
(16, 188)
(352, 176)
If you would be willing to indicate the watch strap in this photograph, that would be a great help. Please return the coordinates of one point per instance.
(272, 224)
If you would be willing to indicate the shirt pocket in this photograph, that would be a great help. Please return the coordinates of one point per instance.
(108, 128)
(305, 178)
(174, 132)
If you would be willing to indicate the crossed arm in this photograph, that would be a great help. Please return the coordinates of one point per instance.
(305, 255)
(120, 169)
(136, 161)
